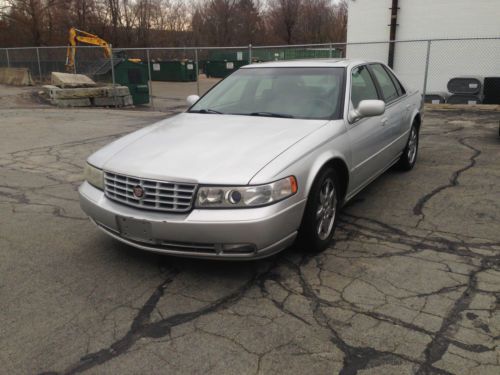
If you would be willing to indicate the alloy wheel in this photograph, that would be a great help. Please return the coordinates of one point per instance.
(412, 145)
(326, 209)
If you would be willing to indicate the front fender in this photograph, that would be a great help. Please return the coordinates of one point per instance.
(305, 159)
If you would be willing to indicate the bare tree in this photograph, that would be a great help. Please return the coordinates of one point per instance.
(143, 10)
(114, 12)
(28, 15)
(81, 12)
(173, 22)
(128, 22)
(284, 18)
(339, 31)
(248, 26)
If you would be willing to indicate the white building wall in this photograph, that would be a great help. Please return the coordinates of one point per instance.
(428, 19)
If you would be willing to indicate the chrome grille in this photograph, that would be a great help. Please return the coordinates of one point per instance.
(158, 195)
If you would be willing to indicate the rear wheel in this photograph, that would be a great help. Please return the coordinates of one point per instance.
(409, 157)
(320, 217)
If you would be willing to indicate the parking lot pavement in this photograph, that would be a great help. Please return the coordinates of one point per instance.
(411, 284)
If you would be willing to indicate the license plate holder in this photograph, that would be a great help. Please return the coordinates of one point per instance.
(135, 229)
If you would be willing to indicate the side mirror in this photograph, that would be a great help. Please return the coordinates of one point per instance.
(191, 99)
(367, 108)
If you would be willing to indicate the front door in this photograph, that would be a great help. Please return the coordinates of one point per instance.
(368, 135)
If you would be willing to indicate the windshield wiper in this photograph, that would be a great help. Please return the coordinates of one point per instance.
(270, 114)
(207, 110)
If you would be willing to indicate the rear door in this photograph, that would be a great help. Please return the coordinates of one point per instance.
(367, 134)
(394, 110)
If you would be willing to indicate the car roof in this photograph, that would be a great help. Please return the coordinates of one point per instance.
(311, 63)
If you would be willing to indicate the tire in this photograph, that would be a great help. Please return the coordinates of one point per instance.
(409, 157)
(320, 216)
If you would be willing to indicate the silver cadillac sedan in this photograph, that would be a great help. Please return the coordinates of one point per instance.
(267, 157)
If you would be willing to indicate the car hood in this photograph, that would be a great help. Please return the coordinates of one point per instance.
(203, 148)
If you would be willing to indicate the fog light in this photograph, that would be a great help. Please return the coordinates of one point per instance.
(236, 248)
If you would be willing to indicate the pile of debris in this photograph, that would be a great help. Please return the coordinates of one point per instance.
(78, 90)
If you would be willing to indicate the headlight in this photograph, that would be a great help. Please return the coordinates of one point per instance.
(245, 196)
(94, 176)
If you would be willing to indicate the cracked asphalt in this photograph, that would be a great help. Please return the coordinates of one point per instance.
(411, 284)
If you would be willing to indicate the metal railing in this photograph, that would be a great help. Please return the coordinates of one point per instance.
(424, 64)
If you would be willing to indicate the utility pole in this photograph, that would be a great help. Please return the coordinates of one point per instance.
(392, 33)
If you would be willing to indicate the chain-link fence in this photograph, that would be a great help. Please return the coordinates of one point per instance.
(174, 73)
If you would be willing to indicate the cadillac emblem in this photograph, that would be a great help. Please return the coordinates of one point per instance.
(138, 191)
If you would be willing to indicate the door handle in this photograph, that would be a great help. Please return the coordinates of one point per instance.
(408, 107)
(384, 121)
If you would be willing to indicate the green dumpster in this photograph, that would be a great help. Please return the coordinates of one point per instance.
(128, 73)
(228, 55)
(135, 76)
(271, 54)
(173, 71)
(221, 69)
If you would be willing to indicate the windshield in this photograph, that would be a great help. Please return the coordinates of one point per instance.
(308, 93)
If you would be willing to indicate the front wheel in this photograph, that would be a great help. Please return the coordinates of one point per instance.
(409, 157)
(320, 217)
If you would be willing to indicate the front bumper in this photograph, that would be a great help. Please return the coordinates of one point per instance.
(209, 233)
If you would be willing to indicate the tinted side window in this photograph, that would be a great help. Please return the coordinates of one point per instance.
(398, 84)
(385, 82)
(362, 86)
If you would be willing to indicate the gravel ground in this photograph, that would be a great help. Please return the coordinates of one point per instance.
(411, 284)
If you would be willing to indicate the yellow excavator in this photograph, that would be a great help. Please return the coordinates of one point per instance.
(78, 36)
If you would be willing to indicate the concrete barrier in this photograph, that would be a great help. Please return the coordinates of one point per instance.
(16, 76)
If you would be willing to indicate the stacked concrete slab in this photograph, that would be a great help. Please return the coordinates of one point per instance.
(78, 90)
(68, 80)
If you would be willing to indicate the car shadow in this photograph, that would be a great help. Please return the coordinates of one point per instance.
(207, 267)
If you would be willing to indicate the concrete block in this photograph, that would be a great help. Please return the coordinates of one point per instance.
(128, 101)
(49, 90)
(82, 102)
(121, 101)
(80, 92)
(117, 91)
(16, 76)
(107, 102)
(65, 80)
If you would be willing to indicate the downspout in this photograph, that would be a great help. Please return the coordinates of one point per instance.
(392, 32)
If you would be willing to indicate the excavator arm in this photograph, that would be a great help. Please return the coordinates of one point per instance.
(78, 36)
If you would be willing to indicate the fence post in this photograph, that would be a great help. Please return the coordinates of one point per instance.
(197, 71)
(8, 59)
(330, 52)
(74, 59)
(113, 74)
(426, 74)
(250, 53)
(150, 81)
(39, 65)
